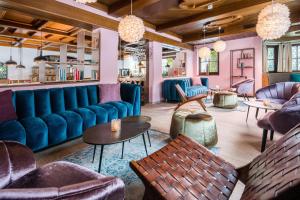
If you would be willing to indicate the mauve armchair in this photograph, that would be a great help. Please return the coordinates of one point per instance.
(279, 92)
(281, 120)
(20, 179)
(243, 88)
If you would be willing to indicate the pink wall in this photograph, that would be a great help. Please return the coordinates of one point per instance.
(223, 79)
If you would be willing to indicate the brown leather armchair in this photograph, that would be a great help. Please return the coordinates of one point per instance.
(20, 179)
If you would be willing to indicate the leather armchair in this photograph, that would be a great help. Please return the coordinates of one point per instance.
(20, 179)
(278, 92)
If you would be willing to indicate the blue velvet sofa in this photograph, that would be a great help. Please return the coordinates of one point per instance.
(47, 117)
(170, 94)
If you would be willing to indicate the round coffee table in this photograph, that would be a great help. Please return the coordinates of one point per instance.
(102, 135)
(259, 104)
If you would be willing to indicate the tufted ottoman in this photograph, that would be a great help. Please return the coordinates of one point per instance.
(225, 99)
(195, 124)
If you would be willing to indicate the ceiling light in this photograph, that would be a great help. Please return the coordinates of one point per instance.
(204, 52)
(86, 1)
(273, 21)
(39, 59)
(131, 28)
(10, 62)
(20, 65)
(210, 6)
(219, 45)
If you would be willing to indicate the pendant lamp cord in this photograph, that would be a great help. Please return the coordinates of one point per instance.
(11, 44)
(41, 42)
(131, 7)
(204, 35)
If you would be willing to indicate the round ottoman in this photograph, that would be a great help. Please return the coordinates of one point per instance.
(225, 99)
(195, 124)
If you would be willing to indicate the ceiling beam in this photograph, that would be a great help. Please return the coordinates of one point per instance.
(123, 7)
(243, 7)
(57, 11)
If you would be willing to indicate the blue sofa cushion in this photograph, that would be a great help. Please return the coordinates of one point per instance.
(57, 100)
(36, 133)
(89, 117)
(12, 130)
(196, 90)
(101, 114)
(74, 123)
(82, 96)
(111, 110)
(93, 92)
(42, 102)
(129, 108)
(70, 98)
(57, 128)
(295, 77)
(132, 94)
(122, 108)
(25, 104)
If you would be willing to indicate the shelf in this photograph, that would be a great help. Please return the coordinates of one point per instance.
(238, 76)
(250, 58)
(246, 67)
(70, 63)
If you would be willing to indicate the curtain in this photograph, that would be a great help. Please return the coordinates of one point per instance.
(265, 58)
(287, 58)
(280, 59)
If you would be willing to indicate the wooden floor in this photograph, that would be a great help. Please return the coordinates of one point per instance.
(239, 142)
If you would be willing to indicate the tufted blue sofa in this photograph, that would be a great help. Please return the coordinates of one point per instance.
(47, 117)
(170, 94)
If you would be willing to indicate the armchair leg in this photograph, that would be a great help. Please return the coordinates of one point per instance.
(202, 104)
(264, 140)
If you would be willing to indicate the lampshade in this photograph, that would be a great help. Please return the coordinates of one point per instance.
(273, 26)
(273, 21)
(10, 62)
(204, 53)
(86, 1)
(20, 66)
(40, 59)
(219, 46)
(274, 8)
(131, 29)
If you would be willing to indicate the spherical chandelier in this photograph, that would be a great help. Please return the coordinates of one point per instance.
(273, 21)
(219, 45)
(204, 52)
(131, 28)
(86, 1)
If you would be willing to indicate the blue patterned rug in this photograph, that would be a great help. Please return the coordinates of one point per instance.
(113, 165)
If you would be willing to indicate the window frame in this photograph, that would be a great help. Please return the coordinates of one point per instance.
(210, 73)
(275, 60)
(297, 58)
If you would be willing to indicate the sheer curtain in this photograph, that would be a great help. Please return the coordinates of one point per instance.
(284, 57)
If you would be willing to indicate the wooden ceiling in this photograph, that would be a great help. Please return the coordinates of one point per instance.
(186, 18)
(19, 29)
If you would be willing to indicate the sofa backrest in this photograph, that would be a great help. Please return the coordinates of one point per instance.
(32, 103)
(282, 90)
(275, 174)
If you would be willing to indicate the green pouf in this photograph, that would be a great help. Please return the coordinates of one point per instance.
(195, 124)
(225, 100)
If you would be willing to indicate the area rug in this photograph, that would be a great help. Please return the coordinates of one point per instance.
(113, 165)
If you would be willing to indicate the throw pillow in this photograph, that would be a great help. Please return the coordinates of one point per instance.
(7, 111)
(109, 92)
(196, 81)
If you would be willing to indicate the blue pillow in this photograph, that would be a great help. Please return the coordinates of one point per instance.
(295, 77)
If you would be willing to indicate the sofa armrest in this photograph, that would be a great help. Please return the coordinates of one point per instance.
(30, 193)
(169, 90)
(131, 93)
(205, 82)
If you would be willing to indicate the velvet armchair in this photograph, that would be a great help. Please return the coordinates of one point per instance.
(21, 179)
(243, 88)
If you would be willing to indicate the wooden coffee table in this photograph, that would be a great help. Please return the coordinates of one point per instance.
(258, 104)
(102, 135)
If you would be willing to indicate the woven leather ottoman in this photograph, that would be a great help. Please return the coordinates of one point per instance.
(196, 124)
(225, 99)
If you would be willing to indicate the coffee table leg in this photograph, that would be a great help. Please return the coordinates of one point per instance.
(100, 161)
(256, 114)
(145, 144)
(149, 138)
(95, 146)
(247, 113)
(123, 143)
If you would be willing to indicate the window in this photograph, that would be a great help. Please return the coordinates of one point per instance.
(296, 57)
(272, 58)
(209, 66)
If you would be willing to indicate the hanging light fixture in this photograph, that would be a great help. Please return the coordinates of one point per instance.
(219, 45)
(273, 21)
(40, 58)
(86, 1)
(131, 28)
(204, 52)
(20, 66)
(10, 62)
